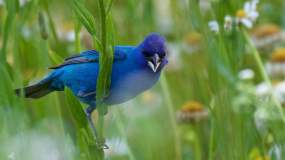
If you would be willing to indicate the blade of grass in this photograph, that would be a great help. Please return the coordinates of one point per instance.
(84, 16)
(171, 112)
(105, 69)
(12, 7)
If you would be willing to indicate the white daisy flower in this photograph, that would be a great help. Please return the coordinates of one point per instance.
(246, 74)
(214, 26)
(248, 15)
(119, 147)
(276, 66)
(228, 23)
(263, 90)
(276, 70)
(279, 91)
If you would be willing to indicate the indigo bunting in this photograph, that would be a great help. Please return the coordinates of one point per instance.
(135, 69)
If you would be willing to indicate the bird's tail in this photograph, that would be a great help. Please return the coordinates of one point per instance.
(37, 90)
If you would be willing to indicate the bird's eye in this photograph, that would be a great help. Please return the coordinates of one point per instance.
(162, 55)
(147, 54)
(149, 58)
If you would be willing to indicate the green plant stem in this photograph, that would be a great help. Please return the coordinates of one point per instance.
(212, 138)
(264, 75)
(103, 26)
(52, 26)
(6, 32)
(109, 7)
(77, 37)
(120, 125)
(197, 143)
(103, 82)
(171, 112)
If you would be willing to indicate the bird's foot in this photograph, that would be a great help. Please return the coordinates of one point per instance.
(101, 143)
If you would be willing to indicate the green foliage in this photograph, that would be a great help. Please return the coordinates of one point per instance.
(84, 16)
(239, 125)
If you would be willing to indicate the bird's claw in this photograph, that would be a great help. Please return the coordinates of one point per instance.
(101, 144)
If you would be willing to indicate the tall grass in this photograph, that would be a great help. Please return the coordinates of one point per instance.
(36, 34)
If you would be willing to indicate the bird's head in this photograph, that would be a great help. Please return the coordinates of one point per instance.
(153, 49)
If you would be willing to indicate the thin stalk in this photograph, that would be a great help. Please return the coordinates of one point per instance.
(196, 141)
(109, 7)
(77, 37)
(101, 86)
(120, 125)
(264, 74)
(170, 110)
(103, 26)
(52, 26)
(6, 33)
(103, 82)
(212, 139)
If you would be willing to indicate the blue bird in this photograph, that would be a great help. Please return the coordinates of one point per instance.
(135, 69)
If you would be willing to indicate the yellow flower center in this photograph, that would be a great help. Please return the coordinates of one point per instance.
(278, 55)
(241, 13)
(192, 106)
(266, 30)
(193, 38)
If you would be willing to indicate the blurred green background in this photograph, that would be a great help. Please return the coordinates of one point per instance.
(204, 107)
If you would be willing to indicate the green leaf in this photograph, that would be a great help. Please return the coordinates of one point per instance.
(84, 16)
(55, 59)
(76, 110)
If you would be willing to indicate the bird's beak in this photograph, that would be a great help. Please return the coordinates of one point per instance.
(154, 62)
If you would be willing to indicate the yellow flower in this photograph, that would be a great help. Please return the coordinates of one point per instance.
(192, 111)
(278, 55)
(192, 106)
(248, 15)
(241, 13)
(266, 30)
(193, 38)
(276, 66)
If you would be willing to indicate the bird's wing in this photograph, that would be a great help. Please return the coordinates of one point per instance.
(89, 56)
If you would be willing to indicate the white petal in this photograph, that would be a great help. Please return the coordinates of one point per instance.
(254, 4)
(246, 74)
(228, 18)
(262, 89)
(228, 23)
(253, 15)
(214, 26)
(247, 7)
(279, 91)
(247, 23)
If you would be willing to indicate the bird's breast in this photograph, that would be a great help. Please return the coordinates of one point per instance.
(127, 85)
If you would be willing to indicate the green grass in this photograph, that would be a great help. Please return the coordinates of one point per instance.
(33, 37)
